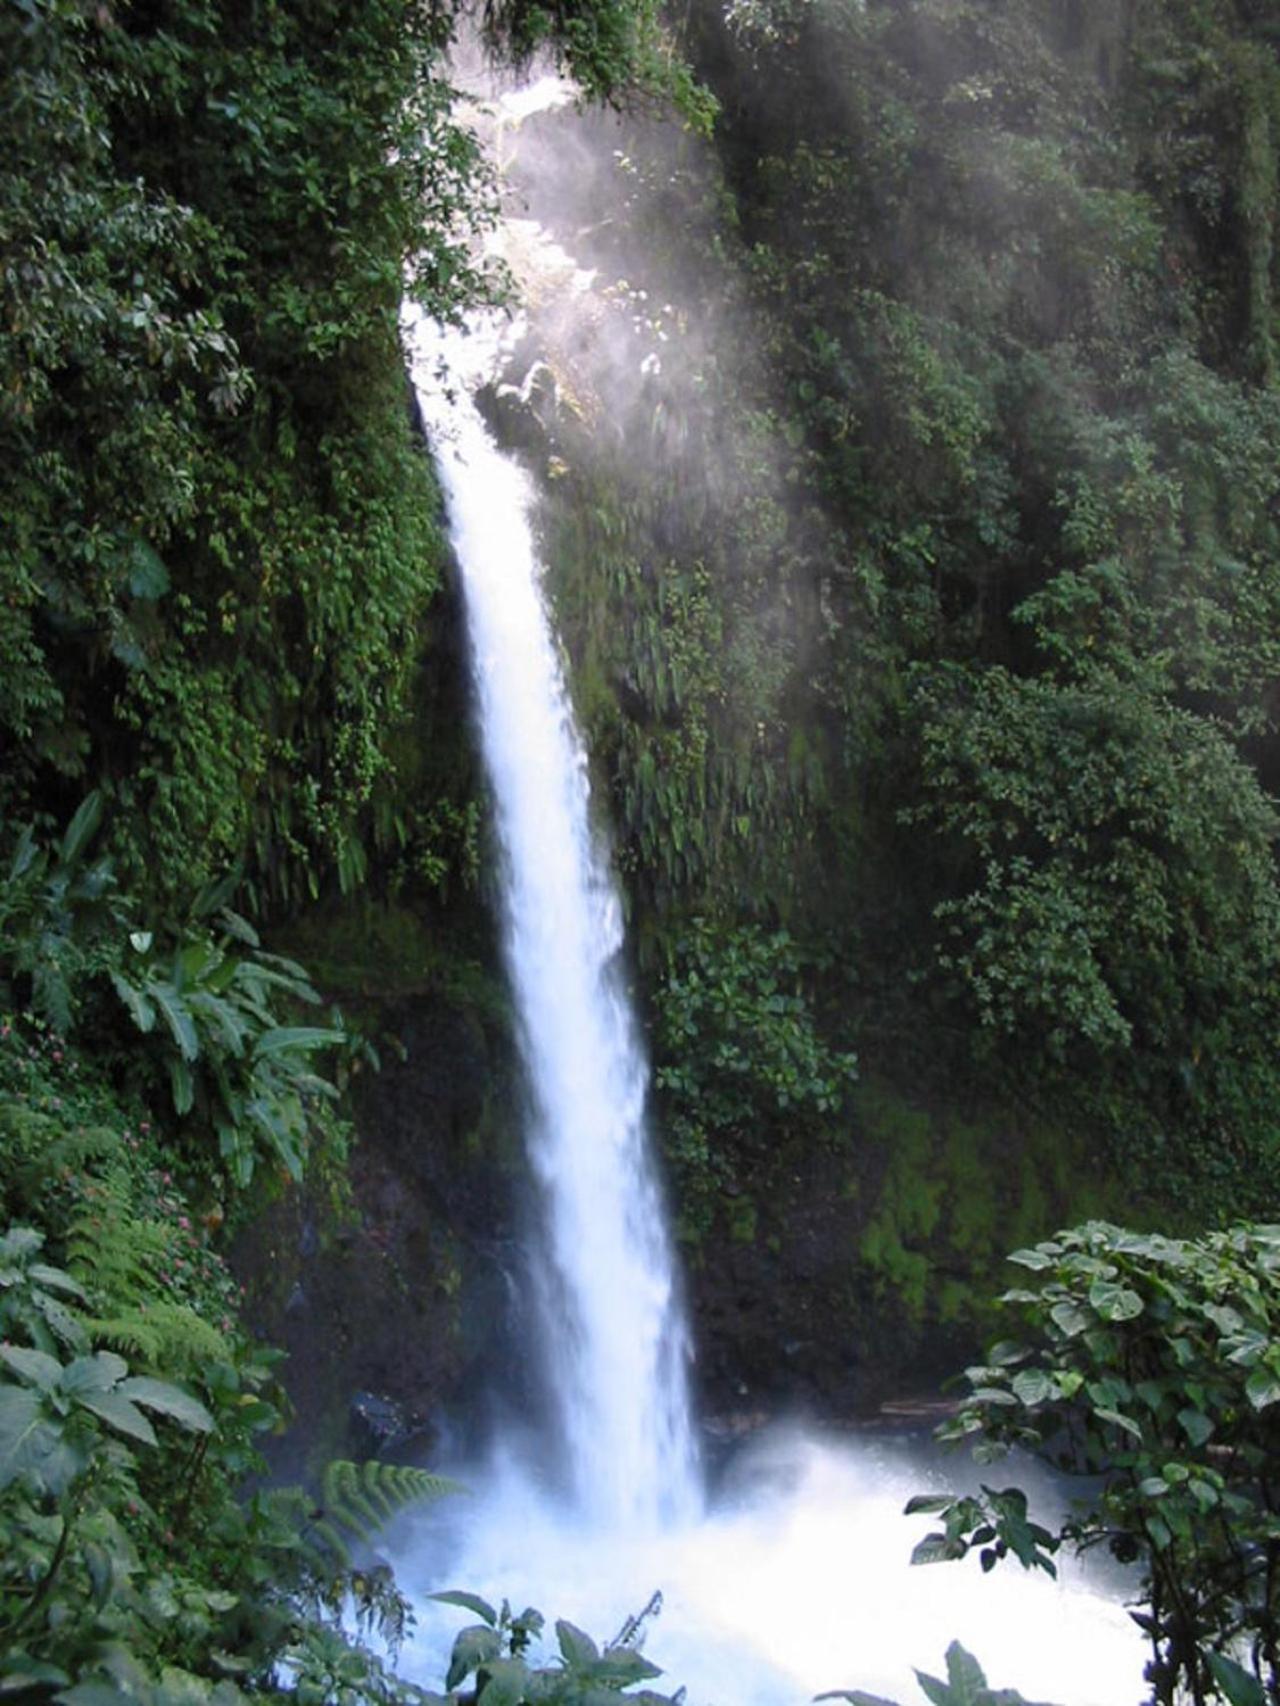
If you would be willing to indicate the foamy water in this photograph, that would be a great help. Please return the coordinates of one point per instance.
(796, 1580)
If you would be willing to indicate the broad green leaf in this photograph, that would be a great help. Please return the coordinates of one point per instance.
(99, 1692)
(506, 1683)
(1224, 1318)
(1263, 1386)
(141, 1010)
(623, 1666)
(927, 1504)
(935, 1689)
(62, 1324)
(26, 1436)
(1114, 1302)
(182, 1085)
(1007, 1352)
(964, 1673)
(577, 1648)
(472, 1647)
(20, 1673)
(1071, 1318)
(1034, 1386)
(25, 853)
(35, 1367)
(303, 1037)
(1118, 1420)
(82, 828)
(148, 577)
(1248, 1346)
(468, 1602)
(223, 1017)
(168, 1400)
(177, 1017)
(120, 1414)
(1196, 1425)
(101, 1571)
(1158, 1532)
(1036, 1260)
(239, 927)
(855, 1697)
(56, 1279)
(18, 1245)
(1240, 1687)
(96, 1373)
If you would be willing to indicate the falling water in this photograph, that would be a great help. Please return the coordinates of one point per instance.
(613, 1338)
(795, 1576)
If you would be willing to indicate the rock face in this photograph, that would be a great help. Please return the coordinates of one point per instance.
(393, 1296)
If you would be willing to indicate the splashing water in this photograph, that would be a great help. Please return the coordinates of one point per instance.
(798, 1578)
(613, 1340)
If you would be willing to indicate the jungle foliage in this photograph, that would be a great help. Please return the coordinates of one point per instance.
(1149, 1367)
(220, 535)
(922, 586)
(219, 554)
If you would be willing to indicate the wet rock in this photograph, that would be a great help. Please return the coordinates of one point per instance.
(379, 1424)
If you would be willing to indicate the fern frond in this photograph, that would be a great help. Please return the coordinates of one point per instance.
(362, 1498)
(290, 1511)
(111, 1258)
(40, 1152)
(334, 1551)
(118, 1256)
(168, 1336)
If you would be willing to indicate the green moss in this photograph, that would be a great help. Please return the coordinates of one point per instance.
(952, 1196)
(744, 1218)
(370, 950)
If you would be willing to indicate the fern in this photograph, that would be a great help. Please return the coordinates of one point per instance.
(365, 1497)
(47, 1151)
(116, 1255)
(164, 1335)
(357, 1500)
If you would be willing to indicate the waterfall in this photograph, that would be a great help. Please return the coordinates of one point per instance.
(794, 1576)
(797, 1577)
(613, 1342)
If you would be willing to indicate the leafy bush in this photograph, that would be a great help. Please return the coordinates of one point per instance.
(965, 1685)
(497, 1653)
(1113, 905)
(1150, 1365)
(742, 1064)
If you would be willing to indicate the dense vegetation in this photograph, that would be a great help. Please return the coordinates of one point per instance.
(1149, 1367)
(925, 617)
(218, 555)
(926, 608)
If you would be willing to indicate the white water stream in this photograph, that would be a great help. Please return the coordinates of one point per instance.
(613, 1339)
(795, 1576)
